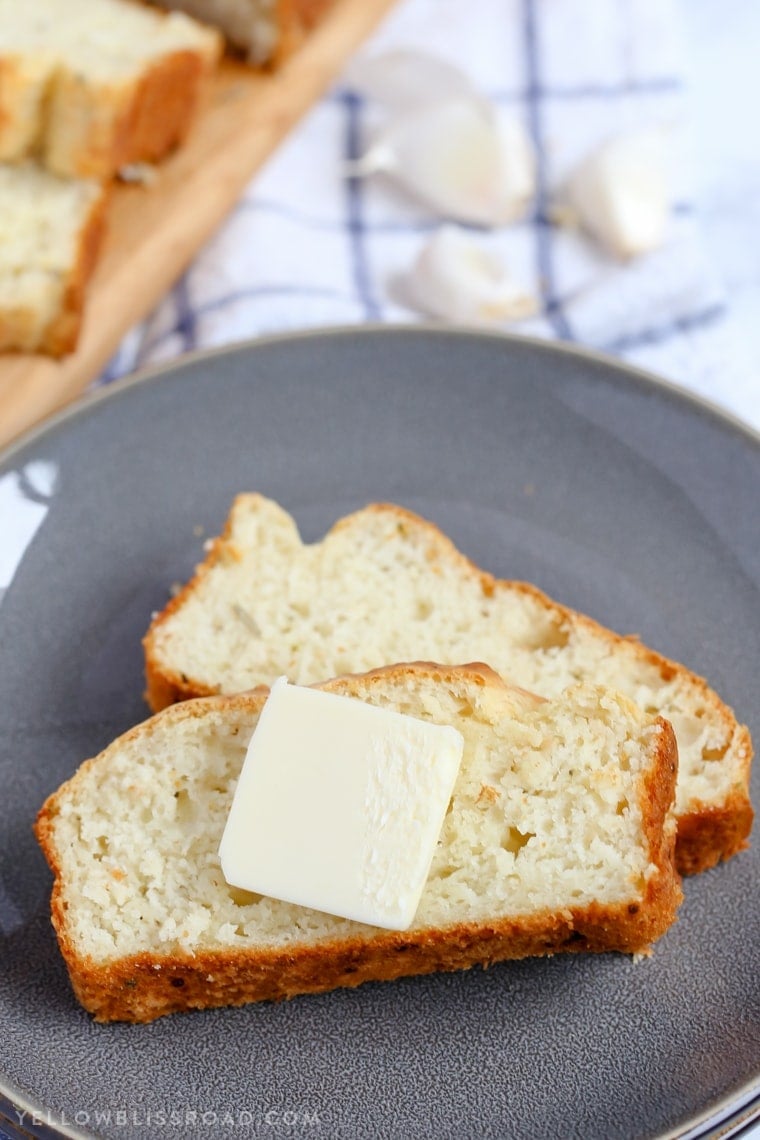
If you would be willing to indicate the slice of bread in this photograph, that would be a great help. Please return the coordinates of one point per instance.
(387, 586)
(50, 229)
(265, 30)
(112, 83)
(559, 836)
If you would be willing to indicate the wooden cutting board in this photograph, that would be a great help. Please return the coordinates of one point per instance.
(154, 232)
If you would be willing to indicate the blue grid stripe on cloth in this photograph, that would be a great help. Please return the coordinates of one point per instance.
(544, 238)
(187, 316)
(355, 223)
(662, 333)
(233, 298)
(421, 226)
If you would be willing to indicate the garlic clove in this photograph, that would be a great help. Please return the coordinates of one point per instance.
(405, 78)
(455, 279)
(457, 158)
(620, 194)
(518, 167)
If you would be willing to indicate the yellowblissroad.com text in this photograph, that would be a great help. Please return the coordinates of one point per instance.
(280, 1118)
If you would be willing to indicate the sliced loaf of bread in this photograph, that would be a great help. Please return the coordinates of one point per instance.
(50, 229)
(559, 836)
(106, 83)
(265, 30)
(385, 586)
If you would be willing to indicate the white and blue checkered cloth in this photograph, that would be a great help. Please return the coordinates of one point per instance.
(306, 247)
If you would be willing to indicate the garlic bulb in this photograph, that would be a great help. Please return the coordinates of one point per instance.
(620, 193)
(455, 279)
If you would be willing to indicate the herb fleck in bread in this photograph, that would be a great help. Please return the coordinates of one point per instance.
(108, 83)
(50, 229)
(385, 586)
(266, 30)
(559, 836)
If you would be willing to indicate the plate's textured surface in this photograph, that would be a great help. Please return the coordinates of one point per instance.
(613, 494)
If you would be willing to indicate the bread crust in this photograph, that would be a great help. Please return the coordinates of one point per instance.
(27, 330)
(22, 88)
(707, 834)
(94, 130)
(707, 829)
(62, 334)
(86, 129)
(145, 986)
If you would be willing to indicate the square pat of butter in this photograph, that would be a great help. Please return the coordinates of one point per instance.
(339, 805)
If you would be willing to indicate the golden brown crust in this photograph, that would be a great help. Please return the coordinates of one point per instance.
(19, 328)
(354, 684)
(8, 82)
(709, 835)
(656, 801)
(62, 334)
(23, 86)
(93, 131)
(146, 986)
(164, 108)
(90, 132)
(164, 687)
(14, 132)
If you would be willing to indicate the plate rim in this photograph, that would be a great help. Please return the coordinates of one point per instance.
(155, 372)
(719, 1122)
(733, 1110)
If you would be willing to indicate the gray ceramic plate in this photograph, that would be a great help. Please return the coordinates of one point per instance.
(613, 493)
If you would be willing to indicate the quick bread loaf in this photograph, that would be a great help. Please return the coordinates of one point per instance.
(559, 836)
(99, 85)
(384, 586)
(50, 230)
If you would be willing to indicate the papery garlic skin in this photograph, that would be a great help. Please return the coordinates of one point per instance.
(518, 166)
(455, 279)
(457, 158)
(405, 78)
(620, 194)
